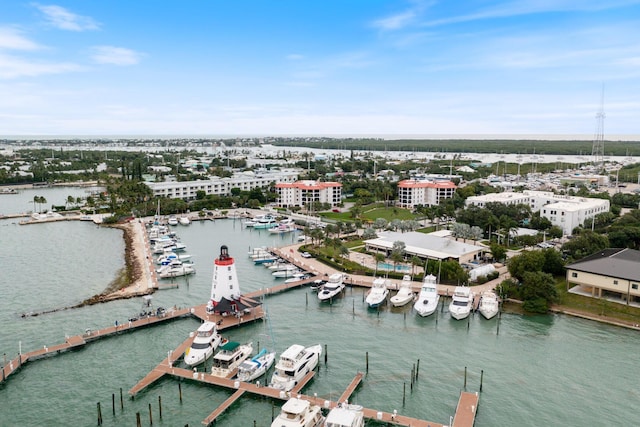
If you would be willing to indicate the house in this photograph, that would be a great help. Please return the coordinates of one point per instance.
(611, 273)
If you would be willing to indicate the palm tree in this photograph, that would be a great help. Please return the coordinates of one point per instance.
(378, 258)
(415, 260)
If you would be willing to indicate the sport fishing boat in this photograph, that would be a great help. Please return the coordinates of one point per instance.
(461, 303)
(259, 364)
(427, 301)
(489, 304)
(378, 293)
(405, 294)
(333, 287)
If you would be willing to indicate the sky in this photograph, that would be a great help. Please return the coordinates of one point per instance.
(319, 67)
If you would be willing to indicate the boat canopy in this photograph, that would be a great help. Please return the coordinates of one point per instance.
(229, 346)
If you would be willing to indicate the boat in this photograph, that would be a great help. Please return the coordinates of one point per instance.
(172, 220)
(284, 226)
(175, 247)
(204, 344)
(229, 357)
(299, 413)
(177, 271)
(297, 277)
(289, 272)
(489, 304)
(461, 302)
(345, 415)
(428, 298)
(405, 294)
(293, 365)
(184, 220)
(378, 293)
(165, 259)
(267, 221)
(333, 287)
(8, 191)
(259, 364)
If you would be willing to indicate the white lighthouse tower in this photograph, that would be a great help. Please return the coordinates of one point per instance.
(225, 289)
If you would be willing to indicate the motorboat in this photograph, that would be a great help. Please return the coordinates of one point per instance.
(184, 220)
(172, 220)
(286, 273)
(461, 302)
(405, 293)
(297, 277)
(428, 298)
(177, 271)
(257, 366)
(378, 293)
(229, 357)
(267, 221)
(204, 344)
(345, 415)
(296, 362)
(166, 259)
(175, 247)
(284, 226)
(489, 304)
(299, 413)
(281, 265)
(333, 287)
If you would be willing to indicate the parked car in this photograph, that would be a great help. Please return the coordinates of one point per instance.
(306, 255)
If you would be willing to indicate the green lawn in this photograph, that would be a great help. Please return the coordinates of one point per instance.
(387, 213)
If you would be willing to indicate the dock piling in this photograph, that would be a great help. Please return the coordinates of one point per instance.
(325, 354)
(138, 422)
(417, 368)
(160, 406)
(404, 393)
(465, 378)
(150, 416)
(180, 391)
(99, 415)
(481, 377)
(366, 359)
(113, 404)
(121, 401)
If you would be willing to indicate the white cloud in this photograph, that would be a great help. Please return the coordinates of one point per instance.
(294, 57)
(61, 18)
(403, 19)
(12, 67)
(115, 55)
(12, 39)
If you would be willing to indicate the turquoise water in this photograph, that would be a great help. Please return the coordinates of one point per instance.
(388, 266)
(539, 370)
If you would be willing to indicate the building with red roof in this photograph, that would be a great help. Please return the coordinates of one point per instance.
(412, 193)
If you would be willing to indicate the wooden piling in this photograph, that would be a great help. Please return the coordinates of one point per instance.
(498, 323)
(481, 377)
(99, 415)
(325, 354)
(465, 378)
(366, 359)
(306, 299)
(113, 403)
(160, 406)
(138, 423)
(150, 416)
(417, 369)
(121, 400)
(180, 391)
(404, 393)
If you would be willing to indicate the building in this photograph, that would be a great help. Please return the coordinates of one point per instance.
(566, 212)
(414, 192)
(245, 181)
(303, 193)
(427, 247)
(610, 273)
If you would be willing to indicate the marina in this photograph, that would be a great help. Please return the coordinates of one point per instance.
(291, 308)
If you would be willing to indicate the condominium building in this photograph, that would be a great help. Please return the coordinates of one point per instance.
(412, 193)
(245, 181)
(303, 193)
(566, 212)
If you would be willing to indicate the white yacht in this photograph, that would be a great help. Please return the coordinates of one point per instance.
(461, 303)
(184, 220)
(230, 356)
(332, 288)
(489, 304)
(172, 220)
(299, 413)
(405, 294)
(293, 365)
(345, 415)
(176, 271)
(166, 259)
(249, 370)
(428, 298)
(287, 273)
(378, 293)
(205, 342)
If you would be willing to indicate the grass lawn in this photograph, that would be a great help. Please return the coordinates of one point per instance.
(388, 213)
(595, 306)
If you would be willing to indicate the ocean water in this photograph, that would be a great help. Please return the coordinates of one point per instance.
(547, 370)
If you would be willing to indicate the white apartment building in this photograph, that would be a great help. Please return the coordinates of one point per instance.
(245, 181)
(413, 192)
(302, 193)
(566, 212)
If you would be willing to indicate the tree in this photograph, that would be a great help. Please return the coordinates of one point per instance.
(378, 258)
(379, 223)
(415, 261)
(586, 243)
(527, 261)
(369, 233)
(499, 252)
(538, 291)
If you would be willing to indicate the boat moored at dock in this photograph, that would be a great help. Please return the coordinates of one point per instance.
(204, 344)
(299, 413)
(229, 357)
(489, 304)
(428, 298)
(293, 365)
(461, 303)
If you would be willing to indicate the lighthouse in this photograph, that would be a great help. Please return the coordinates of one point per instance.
(225, 289)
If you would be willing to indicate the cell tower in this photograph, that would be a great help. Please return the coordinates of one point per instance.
(598, 141)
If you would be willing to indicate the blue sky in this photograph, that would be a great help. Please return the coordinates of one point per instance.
(311, 67)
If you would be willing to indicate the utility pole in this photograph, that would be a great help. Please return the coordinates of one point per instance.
(597, 151)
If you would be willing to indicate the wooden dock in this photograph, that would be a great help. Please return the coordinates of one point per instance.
(466, 410)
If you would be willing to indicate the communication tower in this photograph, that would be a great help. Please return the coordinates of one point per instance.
(598, 141)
